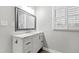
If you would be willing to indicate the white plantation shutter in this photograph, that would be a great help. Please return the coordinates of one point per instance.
(66, 18)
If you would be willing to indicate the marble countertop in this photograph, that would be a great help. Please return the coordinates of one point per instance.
(26, 34)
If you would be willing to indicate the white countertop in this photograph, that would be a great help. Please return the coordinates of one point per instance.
(26, 34)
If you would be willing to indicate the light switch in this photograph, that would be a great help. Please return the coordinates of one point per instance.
(3, 22)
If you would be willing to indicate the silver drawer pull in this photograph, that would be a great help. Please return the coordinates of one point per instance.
(28, 43)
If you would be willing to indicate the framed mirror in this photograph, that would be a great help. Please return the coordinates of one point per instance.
(24, 20)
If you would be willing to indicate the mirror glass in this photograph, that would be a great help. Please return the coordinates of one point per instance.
(25, 20)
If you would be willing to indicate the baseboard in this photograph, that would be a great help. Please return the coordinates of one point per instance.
(50, 50)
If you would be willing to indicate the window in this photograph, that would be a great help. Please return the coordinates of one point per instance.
(66, 18)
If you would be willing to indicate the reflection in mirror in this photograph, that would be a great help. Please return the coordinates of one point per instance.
(24, 20)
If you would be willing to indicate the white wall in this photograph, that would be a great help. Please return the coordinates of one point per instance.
(58, 40)
(6, 13)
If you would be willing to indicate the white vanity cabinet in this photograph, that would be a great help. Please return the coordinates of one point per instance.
(27, 43)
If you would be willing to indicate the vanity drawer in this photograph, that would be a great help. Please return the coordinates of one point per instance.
(28, 48)
(27, 44)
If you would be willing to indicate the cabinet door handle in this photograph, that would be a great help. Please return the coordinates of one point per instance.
(16, 41)
(28, 43)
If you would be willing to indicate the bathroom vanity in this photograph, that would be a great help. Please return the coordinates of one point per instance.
(28, 43)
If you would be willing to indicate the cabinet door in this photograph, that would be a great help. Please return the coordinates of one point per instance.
(36, 43)
(17, 45)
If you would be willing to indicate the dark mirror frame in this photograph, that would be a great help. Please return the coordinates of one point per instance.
(17, 23)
